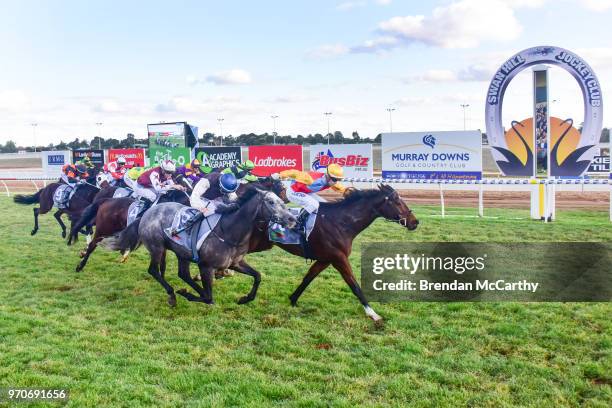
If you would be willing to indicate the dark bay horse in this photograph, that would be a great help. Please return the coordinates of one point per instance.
(337, 225)
(83, 196)
(110, 217)
(225, 247)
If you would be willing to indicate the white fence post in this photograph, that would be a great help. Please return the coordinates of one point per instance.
(480, 201)
(8, 193)
(441, 199)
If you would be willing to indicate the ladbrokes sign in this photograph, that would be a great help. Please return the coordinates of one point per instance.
(355, 159)
(272, 159)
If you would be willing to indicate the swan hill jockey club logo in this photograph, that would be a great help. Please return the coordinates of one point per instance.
(355, 159)
(275, 158)
(571, 151)
(432, 155)
(429, 140)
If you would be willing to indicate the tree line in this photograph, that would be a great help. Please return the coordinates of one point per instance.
(249, 139)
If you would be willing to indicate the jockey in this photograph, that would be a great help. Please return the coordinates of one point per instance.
(156, 181)
(242, 172)
(116, 170)
(130, 176)
(305, 185)
(191, 171)
(228, 184)
(72, 174)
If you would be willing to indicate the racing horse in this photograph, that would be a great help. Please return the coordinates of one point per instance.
(226, 246)
(82, 197)
(110, 215)
(337, 225)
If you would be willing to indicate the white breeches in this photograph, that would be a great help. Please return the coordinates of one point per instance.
(144, 192)
(307, 201)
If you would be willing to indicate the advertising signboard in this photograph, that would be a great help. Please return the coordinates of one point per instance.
(180, 155)
(134, 157)
(219, 157)
(453, 155)
(54, 161)
(275, 158)
(96, 156)
(355, 159)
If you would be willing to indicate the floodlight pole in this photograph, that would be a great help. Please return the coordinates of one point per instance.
(327, 114)
(274, 117)
(220, 120)
(99, 125)
(390, 110)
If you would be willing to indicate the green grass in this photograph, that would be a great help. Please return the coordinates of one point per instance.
(108, 335)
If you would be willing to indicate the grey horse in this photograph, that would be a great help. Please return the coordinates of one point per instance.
(224, 248)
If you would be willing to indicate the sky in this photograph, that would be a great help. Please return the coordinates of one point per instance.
(68, 65)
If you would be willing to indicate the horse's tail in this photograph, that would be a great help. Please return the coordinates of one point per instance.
(89, 214)
(124, 241)
(27, 199)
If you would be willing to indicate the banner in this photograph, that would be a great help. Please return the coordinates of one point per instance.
(600, 164)
(179, 156)
(356, 159)
(96, 156)
(275, 158)
(134, 157)
(219, 157)
(54, 161)
(432, 155)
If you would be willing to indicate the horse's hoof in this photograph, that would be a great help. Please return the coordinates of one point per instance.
(33, 232)
(172, 300)
(63, 234)
(244, 299)
(293, 301)
(197, 277)
(79, 268)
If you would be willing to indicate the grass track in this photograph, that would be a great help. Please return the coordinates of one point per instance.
(108, 335)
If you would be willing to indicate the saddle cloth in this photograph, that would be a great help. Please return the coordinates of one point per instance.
(283, 235)
(62, 196)
(122, 192)
(183, 238)
(135, 210)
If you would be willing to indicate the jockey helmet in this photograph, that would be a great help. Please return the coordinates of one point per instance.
(81, 169)
(228, 183)
(168, 166)
(246, 165)
(195, 164)
(335, 172)
(121, 160)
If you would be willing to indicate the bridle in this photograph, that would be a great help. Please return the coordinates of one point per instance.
(403, 221)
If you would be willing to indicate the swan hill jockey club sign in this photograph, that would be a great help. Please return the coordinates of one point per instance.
(219, 157)
(275, 158)
(568, 151)
(355, 159)
(432, 155)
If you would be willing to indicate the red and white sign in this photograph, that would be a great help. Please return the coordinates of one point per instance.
(275, 158)
(134, 157)
(355, 159)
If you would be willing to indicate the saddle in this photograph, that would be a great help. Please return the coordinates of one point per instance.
(62, 196)
(121, 192)
(135, 210)
(190, 228)
(283, 235)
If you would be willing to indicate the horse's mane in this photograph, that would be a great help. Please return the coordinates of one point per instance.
(356, 195)
(249, 192)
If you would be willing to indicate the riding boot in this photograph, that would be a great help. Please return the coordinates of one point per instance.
(147, 204)
(300, 224)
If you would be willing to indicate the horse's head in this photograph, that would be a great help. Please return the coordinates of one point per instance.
(273, 209)
(391, 207)
(274, 185)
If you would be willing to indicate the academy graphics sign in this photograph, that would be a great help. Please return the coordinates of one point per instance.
(219, 157)
(453, 155)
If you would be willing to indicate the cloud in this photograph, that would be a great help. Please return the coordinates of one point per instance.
(418, 101)
(383, 2)
(107, 106)
(293, 98)
(375, 46)
(462, 24)
(596, 5)
(472, 73)
(14, 100)
(327, 51)
(229, 77)
(349, 5)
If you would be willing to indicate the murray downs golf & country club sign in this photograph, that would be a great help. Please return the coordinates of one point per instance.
(432, 155)
(553, 145)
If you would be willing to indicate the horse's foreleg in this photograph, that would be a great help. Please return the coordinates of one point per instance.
(344, 267)
(154, 272)
(315, 269)
(245, 268)
(204, 292)
(90, 248)
(36, 211)
(58, 216)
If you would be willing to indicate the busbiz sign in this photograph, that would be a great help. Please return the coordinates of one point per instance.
(432, 155)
